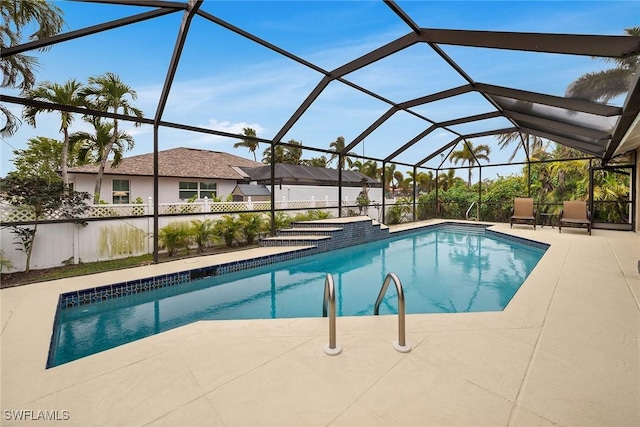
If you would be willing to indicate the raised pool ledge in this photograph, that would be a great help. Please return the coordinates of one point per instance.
(120, 289)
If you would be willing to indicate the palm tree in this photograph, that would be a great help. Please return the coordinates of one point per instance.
(530, 143)
(67, 94)
(94, 145)
(320, 162)
(338, 145)
(423, 180)
(293, 153)
(613, 188)
(108, 93)
(278, 157)
(406, 186)
(392, 174)
(17, 70)
(388, 177)
(250, 142)
(448, 180)
(371, 169)
(399, 177)
(284, 154)
(368, 168)
(470, 155)
(607, 84)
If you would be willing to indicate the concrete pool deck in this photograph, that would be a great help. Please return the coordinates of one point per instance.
(563, 352)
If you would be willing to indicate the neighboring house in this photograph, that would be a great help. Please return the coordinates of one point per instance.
(187, 172)
(257, 193)
(297, 182)
(182, 174)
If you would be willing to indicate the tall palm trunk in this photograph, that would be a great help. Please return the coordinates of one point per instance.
(103, 162)
(64, 159)
(101, 168)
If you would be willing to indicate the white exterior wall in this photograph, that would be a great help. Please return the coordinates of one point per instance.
(85, 183)
(142, 186)
(319, 193)
(168, 189)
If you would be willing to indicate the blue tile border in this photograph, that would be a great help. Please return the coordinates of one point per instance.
(528, 242)
(102, 293)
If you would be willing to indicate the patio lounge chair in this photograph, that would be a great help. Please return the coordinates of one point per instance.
(575, 214)
(523, 212)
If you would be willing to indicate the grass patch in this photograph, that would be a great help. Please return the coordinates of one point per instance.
(20, 278)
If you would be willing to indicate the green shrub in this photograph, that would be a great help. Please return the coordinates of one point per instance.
(202, 232)
(252, 225)
(312, 215)
(398, 212)
(228, 229)
(363, 202)
(175, 236)
(426, 206)
(282, 220)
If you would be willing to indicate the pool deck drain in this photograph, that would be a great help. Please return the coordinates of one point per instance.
(563, 352)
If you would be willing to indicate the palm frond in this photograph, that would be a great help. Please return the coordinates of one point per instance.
(602, 85)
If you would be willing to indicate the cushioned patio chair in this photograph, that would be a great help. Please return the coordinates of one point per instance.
(575, 214)
(523, 212)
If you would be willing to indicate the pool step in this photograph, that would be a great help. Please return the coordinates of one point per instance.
(325, 235)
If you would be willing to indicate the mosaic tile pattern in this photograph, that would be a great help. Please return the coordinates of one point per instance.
(342, 235)
(117, 290)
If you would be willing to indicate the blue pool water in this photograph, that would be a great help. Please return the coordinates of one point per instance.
(443, 270)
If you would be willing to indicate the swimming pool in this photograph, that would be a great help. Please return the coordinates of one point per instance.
(445, 269)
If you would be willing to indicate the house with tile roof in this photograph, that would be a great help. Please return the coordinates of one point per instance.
(184, 173)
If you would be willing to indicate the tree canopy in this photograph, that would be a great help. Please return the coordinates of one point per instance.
(18, 70)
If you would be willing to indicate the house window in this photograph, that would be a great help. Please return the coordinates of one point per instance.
(120, 193)
(199, 189)
(207, 189)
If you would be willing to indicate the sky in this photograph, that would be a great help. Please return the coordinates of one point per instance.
(227, 82)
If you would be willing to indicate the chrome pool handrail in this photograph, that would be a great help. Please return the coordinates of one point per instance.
(332, 349)
(466, 215)
(401, 344)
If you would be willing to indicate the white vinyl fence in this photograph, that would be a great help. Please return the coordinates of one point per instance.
(119, 234)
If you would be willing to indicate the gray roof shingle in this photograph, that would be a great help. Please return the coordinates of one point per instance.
(308, 175)
(178, 162)
(253, 190)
